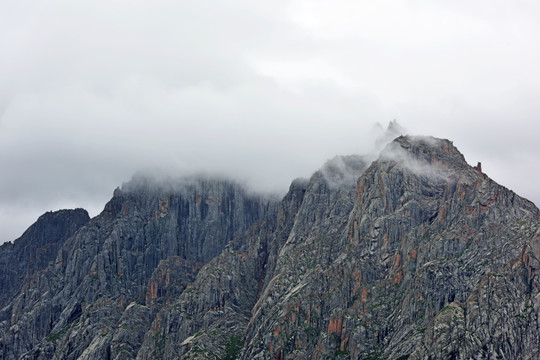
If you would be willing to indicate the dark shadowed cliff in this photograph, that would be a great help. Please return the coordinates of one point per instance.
(37, 247)
(416, 255)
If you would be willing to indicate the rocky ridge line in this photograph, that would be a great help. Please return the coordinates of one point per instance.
(422, 257)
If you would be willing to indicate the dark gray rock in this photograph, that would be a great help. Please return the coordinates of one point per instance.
(76, 304)
(36, 248)
(424, 230)
(211, 315)
(415, 255)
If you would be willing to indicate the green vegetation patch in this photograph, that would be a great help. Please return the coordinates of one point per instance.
(53, 337)
(342, 353)
(233, 347)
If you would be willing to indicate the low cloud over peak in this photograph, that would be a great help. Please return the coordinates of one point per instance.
(92, 92)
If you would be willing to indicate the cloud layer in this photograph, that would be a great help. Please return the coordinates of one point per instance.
(93, 91)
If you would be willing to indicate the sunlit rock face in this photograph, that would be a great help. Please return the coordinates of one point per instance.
(412, 254)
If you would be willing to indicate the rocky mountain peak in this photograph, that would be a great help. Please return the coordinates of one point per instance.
(421, 152)
(36, 248)
(415, 255)
(53, 223)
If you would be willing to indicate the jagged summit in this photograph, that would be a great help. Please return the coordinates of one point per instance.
(384, 136)
(426, 148)
(410, 254)
(34, 249)
(425, 155)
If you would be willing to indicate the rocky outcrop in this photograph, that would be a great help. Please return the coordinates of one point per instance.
(209, 319)
(35, 249)
(416, 255)
(424, 231)
(74, 308)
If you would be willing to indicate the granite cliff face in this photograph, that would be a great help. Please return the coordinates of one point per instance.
(415, 255)
(33, 251)
(150, 241)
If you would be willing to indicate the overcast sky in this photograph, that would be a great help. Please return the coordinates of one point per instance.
(94, 91)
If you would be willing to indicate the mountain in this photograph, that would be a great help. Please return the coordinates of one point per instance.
(33, 251)
(415, 255)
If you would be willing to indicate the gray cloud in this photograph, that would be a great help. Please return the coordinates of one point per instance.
(92, 92)
(344, 170)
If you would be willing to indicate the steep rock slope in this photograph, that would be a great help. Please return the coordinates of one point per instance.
(369, 271)
(210, 318)
(73, 309)
(426, 231)
(416, 255)
(36, 248)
